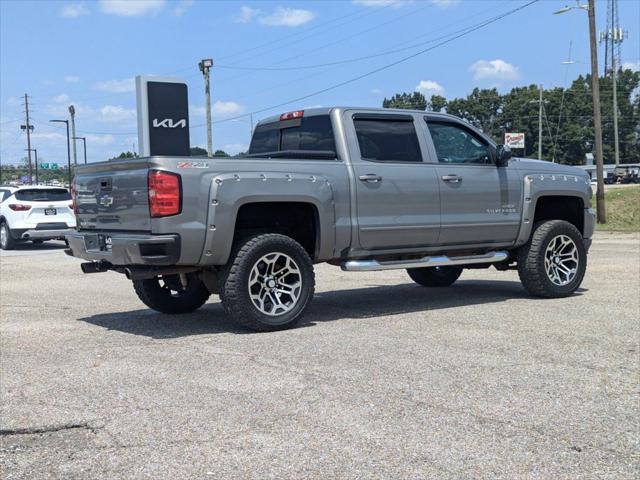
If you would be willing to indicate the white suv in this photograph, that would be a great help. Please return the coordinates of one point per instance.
(34, 213)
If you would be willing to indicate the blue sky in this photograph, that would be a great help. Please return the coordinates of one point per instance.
(87, 53)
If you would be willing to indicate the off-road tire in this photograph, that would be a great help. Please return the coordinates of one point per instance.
(160, 298)
(9, 243)
(435, 276)
(531, 260)
(234, 291)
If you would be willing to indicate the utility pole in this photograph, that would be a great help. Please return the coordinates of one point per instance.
(28, 127)
(205, 66)
(597, 120)
(540, 125)
(72, 111)
(35, 151)
(595, 91)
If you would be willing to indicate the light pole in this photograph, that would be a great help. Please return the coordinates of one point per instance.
(595, 91)
(35, 151)
(68, 147)
(72, 113)
(205, 65)
(84, 142)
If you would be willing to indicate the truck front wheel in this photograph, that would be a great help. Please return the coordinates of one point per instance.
(435, 276)
(167, 294)
(553, 263)
(269, 283)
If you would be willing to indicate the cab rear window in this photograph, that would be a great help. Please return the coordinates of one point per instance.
(313, 133)
(43, 195)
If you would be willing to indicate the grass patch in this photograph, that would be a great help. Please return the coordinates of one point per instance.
(622, 209)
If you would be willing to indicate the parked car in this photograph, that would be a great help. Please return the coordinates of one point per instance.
(364, 189)
(34, 213)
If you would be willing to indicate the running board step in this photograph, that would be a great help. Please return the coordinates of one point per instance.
(438, 261)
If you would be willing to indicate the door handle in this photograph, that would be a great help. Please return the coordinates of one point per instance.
(451, 178)
(370, 177)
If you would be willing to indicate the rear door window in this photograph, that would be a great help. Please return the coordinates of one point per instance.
(387, 140)
(43, 195)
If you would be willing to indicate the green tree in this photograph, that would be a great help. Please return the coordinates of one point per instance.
(437, 103)
(197, 152)
(220, 153)
(409, 101)
(124, 155)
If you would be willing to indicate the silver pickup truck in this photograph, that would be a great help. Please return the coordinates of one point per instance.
(360, 188)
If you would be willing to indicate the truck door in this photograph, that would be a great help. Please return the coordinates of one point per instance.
(397, 198)
(480, 202)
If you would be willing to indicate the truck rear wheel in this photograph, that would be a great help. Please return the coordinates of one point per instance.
(167, 294)
(435, 276)
(553, 263)
(269, 283)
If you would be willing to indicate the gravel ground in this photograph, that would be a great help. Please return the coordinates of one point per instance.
(385, 379)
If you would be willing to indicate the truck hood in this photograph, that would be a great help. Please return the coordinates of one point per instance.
(530, 165)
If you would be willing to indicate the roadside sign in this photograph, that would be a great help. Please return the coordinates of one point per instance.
(44, 166)
(53, 166)
(514, 140)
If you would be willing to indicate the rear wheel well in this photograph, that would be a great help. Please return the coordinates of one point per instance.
(570, 209)
(298, 220)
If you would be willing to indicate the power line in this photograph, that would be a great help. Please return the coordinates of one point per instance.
(384, 67)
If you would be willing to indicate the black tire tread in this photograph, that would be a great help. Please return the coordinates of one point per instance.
(150, 293)
(11, 243)
(428, 278)
(241, 311)
(533, 278)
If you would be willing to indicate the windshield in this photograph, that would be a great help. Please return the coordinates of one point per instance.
(43, 195)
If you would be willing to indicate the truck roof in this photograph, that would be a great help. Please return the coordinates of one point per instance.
(309, 112)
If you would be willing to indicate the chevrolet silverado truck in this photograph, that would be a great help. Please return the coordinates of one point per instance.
(360, 188)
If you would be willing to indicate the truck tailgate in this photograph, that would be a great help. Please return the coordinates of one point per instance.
(113, 196)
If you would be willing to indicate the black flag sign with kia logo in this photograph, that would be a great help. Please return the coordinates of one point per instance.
(168, 118)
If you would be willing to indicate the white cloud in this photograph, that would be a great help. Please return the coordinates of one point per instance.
(445, 3)
(196, 111)
(247, 14)
(182, 7)
(382, 3)
(117, 114)
(634, 66)
(48, 136)
(376, 91)
(116, 86)
(234, 148)
(71, 79)
(105, 139)
(131, 8)
(287, 17)
(226, 109)
(62, 98)
(74, 10)
(429, 87)
(494, 70)
(280, 17)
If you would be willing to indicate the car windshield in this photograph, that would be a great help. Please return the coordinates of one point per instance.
(43, 195)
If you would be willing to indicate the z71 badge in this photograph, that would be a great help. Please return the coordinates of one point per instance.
(193, 165)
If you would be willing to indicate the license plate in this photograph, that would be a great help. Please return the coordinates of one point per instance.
(50, 211)
(104, 243)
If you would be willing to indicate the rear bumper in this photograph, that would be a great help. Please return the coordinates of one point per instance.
(126, 248)
(34, 234)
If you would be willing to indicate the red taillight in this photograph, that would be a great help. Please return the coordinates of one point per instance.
(164, 193)
(74, 192)
(19, 208)
(291, 115)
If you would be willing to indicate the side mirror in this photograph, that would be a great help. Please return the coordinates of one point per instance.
(503, 155)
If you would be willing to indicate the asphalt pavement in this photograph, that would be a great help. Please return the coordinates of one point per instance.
(384, 379)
